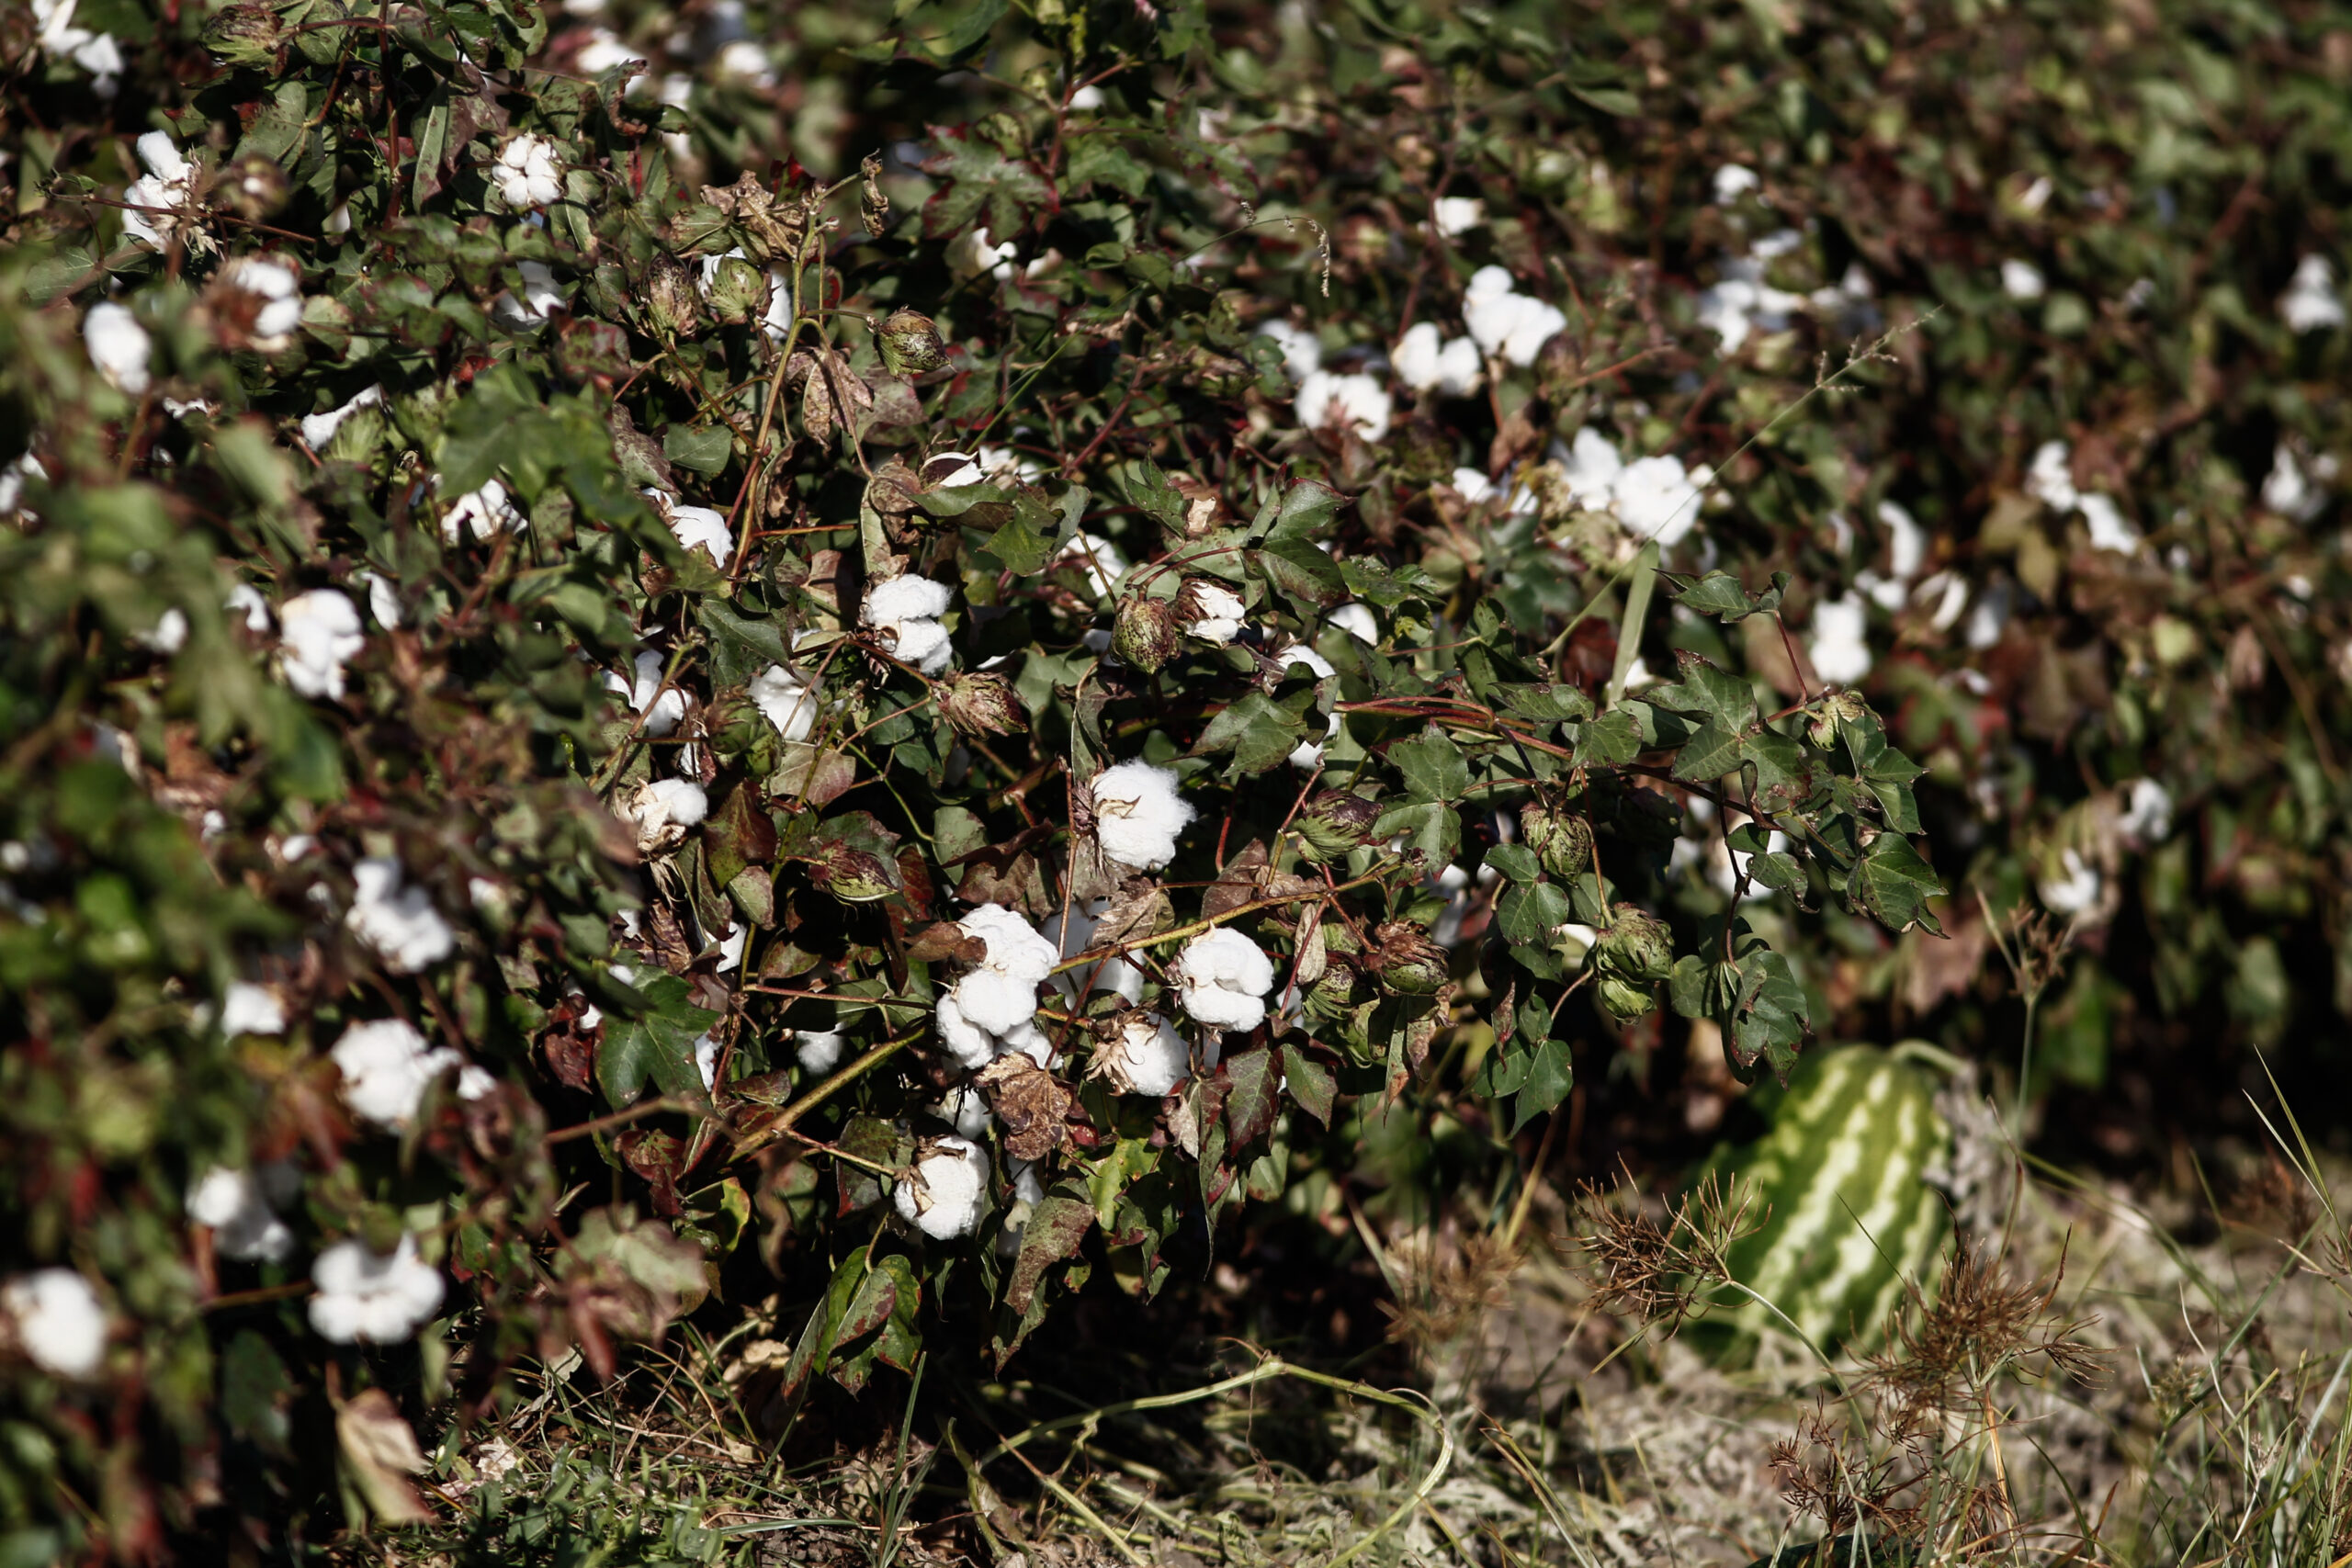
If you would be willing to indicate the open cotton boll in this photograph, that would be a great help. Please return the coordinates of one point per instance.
(318, 429)
(1309, 754)
(370, 1298)
(400, 923)
(245, 600)
(1327, 397)
(1733, 181)
(59, 1321)
(1457, 214)
(1073, 937)
(1217, 612)
(386, 1066)
(789, 699)
(2075, 890)
(970, 255)
(248, 1009)
(1223, 979)
(908, 608)
(1906, 541)
(1302, 354)
(241, 1208)
(1740, 302)
(271, 307)
(984, 1013)
(155, 203)
(1657, 499)
(169, 634)
(663, 809)
(2147, 817)
(1504, 322)
(1452, 368)
(1101, 560)
(119, 346)
(483, 513)
(318, 633)
(1138, 814)
(1148, 1056)
(2022, 281)
(817, 1050)
(2311, 303)
(2287, 491)
(2050, 476)
(1356, 619)
(2108, 529)
(706, 1060)
(1841, 645)
(968, 1044)
(941, 1197)
(660, 707)
(528, 174)
(700, 528)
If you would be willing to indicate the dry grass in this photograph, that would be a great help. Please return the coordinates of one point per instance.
(2084, 1389)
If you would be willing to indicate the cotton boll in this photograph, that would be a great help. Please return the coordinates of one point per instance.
(1138, 814)
(169, 634)
(1356, 619)
(970, 255)
(1458, 214)
(663, 809)
(2290, 492)
(1302, 354)
(528, 173)
(2050, 476)
(1073, 937)
(1657, 499)
(817, 1050)
(483, 513)
(1591, 466)
(1452, 368)
(2108, 530)
(1101, 560)
(1733, 181)
(1504, 322)
(373, 1299)
(942, 1196)
(245, 600)
(237, 1205)
(1014, 946)
(249, 1008)
(1222, 978)
(386, 1067)
(700, 528)
(2148, 815)
(154, 204)
(908, 608)
(1328, 397)
(966, 1109)
(1906, 541)
(1217, 612)
(1841, 645)
(383, 598)
(662, 707)
(1148, 1057)
(400, 923)
(706, 1060)
(2311, 303)
(318, 633)
(968, 1044)
(2075, 891)
(788, 699)
(60, 1323)
(119, 346)
(995, 1001)
(2022, 281)
(318, 429)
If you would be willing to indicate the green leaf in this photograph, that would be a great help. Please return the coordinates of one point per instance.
(703, 448)
(741, 646)
(1708, 689)
(1312, 1085)
(1430, 827)
(1056, 1226)
(1530, 914)
(1252, 1095)
(1894, 884)
(1550, 1074)
(1516, 861)
(657, 1044)
(982, 187)
(1720, 593)
(1433, 766)
(1304, 573)
(1610, 739)
(1772, 1019)
(1020, 546)
(1709, 754)
(1259, 732)
(1542, 704)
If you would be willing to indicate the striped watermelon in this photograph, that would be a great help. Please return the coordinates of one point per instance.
(1851, 1218)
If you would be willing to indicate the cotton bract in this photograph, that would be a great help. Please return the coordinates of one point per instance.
(1138, 814)
(400, 923)
(941, 1197)
(318, 633)
(59, 1322)
(1224, 979)
(371, 1298)
(908, 609)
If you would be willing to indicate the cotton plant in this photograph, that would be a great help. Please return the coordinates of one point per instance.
(261, 299)
(1146, 1056)
(1210, 611)
(541, 297)
(1302, 352)
(319, 429)
(661, 810)
(703, 528)
(1839, 647)
(1308, 755)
